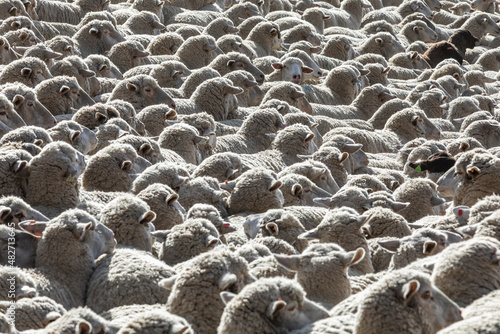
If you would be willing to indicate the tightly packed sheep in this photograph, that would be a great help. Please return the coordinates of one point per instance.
(251, 166)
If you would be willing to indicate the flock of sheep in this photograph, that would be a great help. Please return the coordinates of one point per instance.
(251, 167)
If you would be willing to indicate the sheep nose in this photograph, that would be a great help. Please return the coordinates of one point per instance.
(296, 76)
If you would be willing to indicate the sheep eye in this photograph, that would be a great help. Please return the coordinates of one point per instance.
(19, 215)
(30, 104)
(426, 295)
(291, 309)
(148, 90)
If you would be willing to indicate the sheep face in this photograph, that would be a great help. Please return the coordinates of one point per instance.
(142, 91)
(487, 23)
(74, 93)
(352, 197)
(423, 32)
(292, 70)
(233, 43)
(239, 62)
(32, 111)
(8, 115)
(7, 54)
(16, 210)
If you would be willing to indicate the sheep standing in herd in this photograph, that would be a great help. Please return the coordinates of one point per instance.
(285, 166)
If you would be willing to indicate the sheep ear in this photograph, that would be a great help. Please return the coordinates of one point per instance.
(274, 308)
(227, 296)
(414, 120)
(232, 90)
(415, 54)
(64, 89)
(275, 186)
(171, 198)
(17, 100)
(296, 190)
(469, 230)
(74, 135)
(16, 25)
(230, 173)
(272, 228)
(436, 201)
(19, 166)
(309, 235)
(126, 165)
(230, 62)
(229, 185)
(277, 66)
(23, 35)
(33, 227)
(81, 229)
(178, 328)
(429, 247)
(398, 206)
(13, 11)
(410, 289)
(386, 70)
(290, 262)
(161, 235)
(351, 148)
(226, 280)
(415, 29)
(131, 87)
(147, 217)
(4, 212)
(211, 241)
(353, 257)
(26, 71)
(145, 148)
(83, 327)
(309, 137)
(343, 157)
(379, 41)
(179, 182)
(391, 245)
(306, 69)
(273, 31)
(51, 317)
(102, 67)
(93, 31)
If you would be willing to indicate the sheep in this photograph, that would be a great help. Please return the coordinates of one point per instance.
(119, 160)
(417, 124)
(220, 27)
(186, 240)
(349, 15)
(128, 114)
(273, 305)
(163, 202)
(295, 140)
(25, 246)
(76, 230)
(165, 44)
(28, 134)
(80, 137)
(102, 67)
(342, 226)
(35, 313)
(222, 166)
(202, 46)
(141, 91)
(145, 272)
(362, 107)
(21, 38)
(42, 52)
(290, 93)
(235, 61)
(255, 191)
(282, 225)
(210, 213)
(233, 43)
(483, 251)
(422, 196)
(454, 48)
(95, 115)
(96, 37)
(405, 9)
(484, 131)
(7, 55)
(155, 118)
(329, 92)
(19, 22)
(171, 174)
(146, 23)
(214, 272)
(220, 104)
(28, 71)
(64, 45)
(291, 69)
(68, 13)
(382, 43)
(133, 231)
(184, 140)
(264, 38)
(252, 95)
(204, 190)
(252, 135)
(62, 94)
(8, 115)
(169, 74)
(126, 55)
(326, 259)
(156, 322)
(315, 171)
